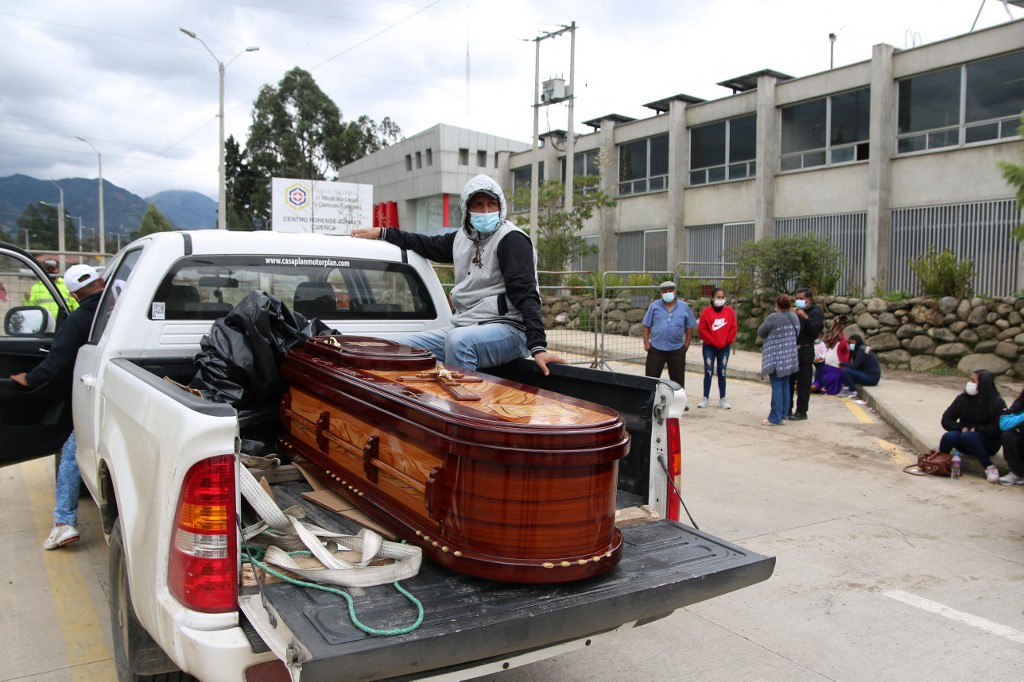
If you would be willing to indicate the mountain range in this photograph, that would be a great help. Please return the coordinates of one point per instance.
(122, 210)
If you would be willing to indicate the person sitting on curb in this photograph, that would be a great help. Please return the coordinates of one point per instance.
(972, 422)
(863, 368)
(1012, 425)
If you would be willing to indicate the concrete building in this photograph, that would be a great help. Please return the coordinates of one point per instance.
(424, 174)
(886, 158)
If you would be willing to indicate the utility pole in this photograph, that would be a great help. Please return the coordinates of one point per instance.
(60, 228)
(570, 148)
(537, 104)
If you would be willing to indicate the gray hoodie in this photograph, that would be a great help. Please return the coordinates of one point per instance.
(495, 274)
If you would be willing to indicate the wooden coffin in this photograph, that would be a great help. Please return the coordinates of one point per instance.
(490, 477)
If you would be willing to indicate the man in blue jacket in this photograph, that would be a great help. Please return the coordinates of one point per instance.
(84, 285)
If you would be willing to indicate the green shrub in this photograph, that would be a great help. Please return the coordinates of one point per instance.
(782, 264)
(941, 274)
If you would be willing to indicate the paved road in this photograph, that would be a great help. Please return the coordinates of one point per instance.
(880, 575)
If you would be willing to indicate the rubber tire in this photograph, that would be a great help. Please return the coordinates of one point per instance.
(134, 649)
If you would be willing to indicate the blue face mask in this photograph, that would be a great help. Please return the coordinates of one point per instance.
(485, 223)
(668, 297)
(801, 303)
(853, 347)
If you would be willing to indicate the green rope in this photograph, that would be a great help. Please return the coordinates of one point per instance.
(374, 632)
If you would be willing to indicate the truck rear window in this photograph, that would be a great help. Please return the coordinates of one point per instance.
(206, 288)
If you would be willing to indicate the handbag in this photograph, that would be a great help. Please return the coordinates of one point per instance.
(931, 462)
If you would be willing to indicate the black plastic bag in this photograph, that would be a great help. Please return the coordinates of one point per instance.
(238, 360)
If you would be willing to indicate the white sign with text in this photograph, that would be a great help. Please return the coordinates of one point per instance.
(320, 206)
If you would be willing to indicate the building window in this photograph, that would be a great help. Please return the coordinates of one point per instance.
(521, 186)
(645, 251)
(724, 150)
(826, 131)
(408, 162)
(933, 114)
(643, 166)
(463, 157)
(585, 163)
(430, 156)
(481, 159)
(419, 160)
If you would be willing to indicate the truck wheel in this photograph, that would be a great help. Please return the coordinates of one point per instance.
(137, 657)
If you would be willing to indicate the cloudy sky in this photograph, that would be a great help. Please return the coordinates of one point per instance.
(120, 74)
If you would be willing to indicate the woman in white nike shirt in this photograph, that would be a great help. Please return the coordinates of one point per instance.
(717, 329)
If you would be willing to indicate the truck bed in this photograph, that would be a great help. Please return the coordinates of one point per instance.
(665, 566)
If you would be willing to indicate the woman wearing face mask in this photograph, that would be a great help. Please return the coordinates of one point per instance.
(779, 357)
(972, 422)
(496, 297)
(717, 329)
(862, 368)
(1012, 425)
(668, 328)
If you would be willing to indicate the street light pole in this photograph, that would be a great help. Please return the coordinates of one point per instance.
(60, 227)
(222, 216)
(99, 159)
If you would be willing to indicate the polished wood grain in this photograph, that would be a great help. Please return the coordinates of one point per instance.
(518, 486)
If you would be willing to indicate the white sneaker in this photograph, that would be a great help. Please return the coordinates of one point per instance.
(992, 474)
(1011, 479)
(724, 405)
(703, 402)
(61, 535)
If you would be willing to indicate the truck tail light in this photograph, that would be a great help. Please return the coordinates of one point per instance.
(202, 572)
(674, 469)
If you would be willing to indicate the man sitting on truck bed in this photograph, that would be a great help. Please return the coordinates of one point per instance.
(496, 299)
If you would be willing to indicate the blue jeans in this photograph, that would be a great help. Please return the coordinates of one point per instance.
(971, 443)
(781, 398)
(69, 482)
(474, 347)
(712, 355)
(852, 377)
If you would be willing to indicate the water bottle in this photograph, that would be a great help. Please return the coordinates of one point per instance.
(954, 467)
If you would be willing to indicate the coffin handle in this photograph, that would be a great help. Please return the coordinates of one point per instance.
(433, 495)
(371, 451)
(323, 425)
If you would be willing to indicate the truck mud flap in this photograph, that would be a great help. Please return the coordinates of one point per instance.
(665, 566)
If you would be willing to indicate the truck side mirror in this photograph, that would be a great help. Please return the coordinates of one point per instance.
(27, 321)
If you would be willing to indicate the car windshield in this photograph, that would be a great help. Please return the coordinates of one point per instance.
(207, 287)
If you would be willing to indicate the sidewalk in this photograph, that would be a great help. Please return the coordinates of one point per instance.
(909, 402)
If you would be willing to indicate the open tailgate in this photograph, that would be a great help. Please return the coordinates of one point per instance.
(665, 566)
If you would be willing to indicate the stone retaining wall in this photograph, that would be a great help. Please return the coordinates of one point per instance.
(921, 334)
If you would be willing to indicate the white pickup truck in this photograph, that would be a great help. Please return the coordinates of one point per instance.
(147, 449)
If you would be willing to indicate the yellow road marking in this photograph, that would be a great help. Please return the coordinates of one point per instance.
(79, 623)
(898, 454)
(860, 413)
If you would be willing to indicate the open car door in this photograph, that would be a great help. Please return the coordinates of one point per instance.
(33, 422)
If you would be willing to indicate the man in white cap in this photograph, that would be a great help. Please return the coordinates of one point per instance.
(667, 328)
(84, 285)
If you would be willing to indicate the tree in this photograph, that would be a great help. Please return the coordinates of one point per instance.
(296, 132)
(40, 220)
(153, 221)
(558, 239)
(1014, 174)
(781, 264)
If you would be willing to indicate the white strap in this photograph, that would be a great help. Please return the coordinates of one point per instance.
(290, 534)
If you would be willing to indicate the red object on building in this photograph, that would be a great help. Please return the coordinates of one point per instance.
(376, 216)
(445, 207)
(391, 214)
